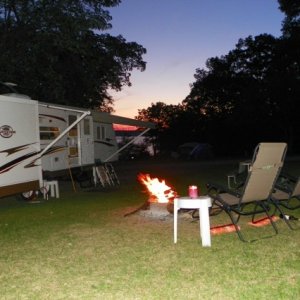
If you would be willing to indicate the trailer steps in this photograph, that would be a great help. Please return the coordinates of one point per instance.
(105, 176)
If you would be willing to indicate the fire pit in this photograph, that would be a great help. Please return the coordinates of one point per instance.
(156, 211)
(160, 201)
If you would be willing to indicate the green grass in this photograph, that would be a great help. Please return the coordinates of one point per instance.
(82, 247)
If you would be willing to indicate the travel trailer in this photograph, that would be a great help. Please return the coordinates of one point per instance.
(41, 138)
(20, 168)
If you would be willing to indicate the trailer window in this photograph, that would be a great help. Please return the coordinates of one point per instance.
(73, 131)
(98, 133)
(73, 151)
(101, 133)
(48, 133)
(86, 127)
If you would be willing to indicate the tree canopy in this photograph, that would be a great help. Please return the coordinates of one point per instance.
(55, 49)
(246, 91)
(249, 95)
(291, 23)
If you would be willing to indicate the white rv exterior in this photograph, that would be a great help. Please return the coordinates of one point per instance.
(91, 141)
(75, 148)
(20, 167)
(40, 137)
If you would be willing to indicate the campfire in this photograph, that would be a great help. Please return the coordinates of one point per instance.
(158, 190)
(160, 197)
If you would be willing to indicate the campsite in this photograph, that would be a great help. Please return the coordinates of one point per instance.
(80, 246)
(149, 150)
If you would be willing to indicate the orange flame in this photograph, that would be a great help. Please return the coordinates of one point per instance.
(158, 190)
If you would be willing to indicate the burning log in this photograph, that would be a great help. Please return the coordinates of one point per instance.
(160, 202)
(157, 189)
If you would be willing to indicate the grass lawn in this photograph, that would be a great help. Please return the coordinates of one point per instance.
(81, 246)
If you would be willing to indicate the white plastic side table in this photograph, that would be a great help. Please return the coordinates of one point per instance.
(202, 203)
(53, 187)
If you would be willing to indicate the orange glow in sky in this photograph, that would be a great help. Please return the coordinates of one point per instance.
(119, 127)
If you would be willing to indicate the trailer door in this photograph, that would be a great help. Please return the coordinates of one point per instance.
(73, 140)
(87, 141)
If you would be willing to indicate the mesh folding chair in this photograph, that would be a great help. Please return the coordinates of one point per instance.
(286, 195)
(254, 197)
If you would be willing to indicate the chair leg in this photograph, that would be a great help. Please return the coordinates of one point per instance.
(239, 233)
(269, 216)
(283, 215)
(253, 216)
(266, 209)
(234, 220)
(235, 223)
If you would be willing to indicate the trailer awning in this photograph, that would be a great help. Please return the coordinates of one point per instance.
(113, 119)
(102, 117)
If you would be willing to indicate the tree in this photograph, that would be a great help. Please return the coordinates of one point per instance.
(249, 95)
(167, 134)
(252, 93)
(288, 75)
(54, 48)
(291, 23)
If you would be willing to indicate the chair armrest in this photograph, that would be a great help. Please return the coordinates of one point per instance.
(287, 176)
(219, 189)
(286, 182)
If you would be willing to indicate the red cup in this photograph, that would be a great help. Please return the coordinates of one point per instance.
(193, 191)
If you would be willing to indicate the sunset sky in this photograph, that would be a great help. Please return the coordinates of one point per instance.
(180, 35)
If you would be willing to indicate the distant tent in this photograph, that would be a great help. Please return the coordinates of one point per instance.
(195, 151)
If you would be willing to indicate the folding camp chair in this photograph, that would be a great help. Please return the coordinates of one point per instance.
(262, 175)
(287, 195)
